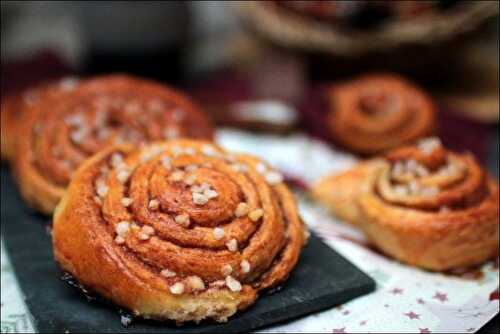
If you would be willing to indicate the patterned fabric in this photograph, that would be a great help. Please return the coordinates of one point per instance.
(15, 316)
(406, 299)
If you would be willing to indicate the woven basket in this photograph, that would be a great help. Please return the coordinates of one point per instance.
(290, 29)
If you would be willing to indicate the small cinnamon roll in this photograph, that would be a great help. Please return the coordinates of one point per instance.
(62, 129)
(375, 113)
(423, 205)
(179, 230)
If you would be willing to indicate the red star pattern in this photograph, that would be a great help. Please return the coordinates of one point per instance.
(424, 330)
(442, 297)
(420, 301)
(412, 315)
(494, 295)
(396, 291)
(339, 330)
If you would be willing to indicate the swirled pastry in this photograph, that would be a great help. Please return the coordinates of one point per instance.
(13, 107)
(375, 113)
(423, 205)
(179, 230)
(61, 130)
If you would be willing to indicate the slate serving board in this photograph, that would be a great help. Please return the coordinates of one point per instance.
(321, 280)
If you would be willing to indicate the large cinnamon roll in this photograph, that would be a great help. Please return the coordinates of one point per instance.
(423, 205)
(61, 130)
(178, 230)
(375, 113)
(13, 107)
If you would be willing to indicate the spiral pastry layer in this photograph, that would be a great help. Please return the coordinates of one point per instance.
(11, 110)
(13, 107)
(178, 230)
(375, 113)
(61, 130)
(422, 205)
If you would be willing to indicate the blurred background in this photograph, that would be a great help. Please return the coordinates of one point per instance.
(258, 65)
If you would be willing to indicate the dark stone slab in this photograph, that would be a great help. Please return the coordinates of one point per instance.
(321, 280)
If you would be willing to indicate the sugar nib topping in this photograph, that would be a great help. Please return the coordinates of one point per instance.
(154, 204)
(256, 214)
(203, 193)
(241, 210)
(245, 266)
(182, 220)
(177, 288)
(226, 270)
(195, 283)
(218, 233)
(428, 145)
(233, 284)
(232, 245)
(168, 273)
(126, 201)
(146, 232)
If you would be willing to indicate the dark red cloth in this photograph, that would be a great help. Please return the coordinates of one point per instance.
(21, 74)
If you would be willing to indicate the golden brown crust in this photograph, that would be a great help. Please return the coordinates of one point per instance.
(66, 126)
(425, 206)
(11, 106)
(162, 231)
(14, 106)
(378, 112)
(339, 192)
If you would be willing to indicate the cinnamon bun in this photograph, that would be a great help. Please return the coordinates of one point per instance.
(375, 113)
(178, 230)
(423, 205)
(61, 130)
